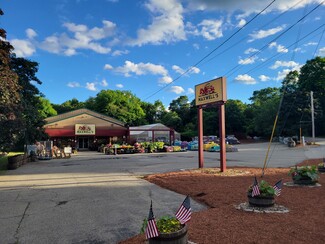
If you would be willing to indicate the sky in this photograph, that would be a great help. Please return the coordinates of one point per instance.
(162, 49)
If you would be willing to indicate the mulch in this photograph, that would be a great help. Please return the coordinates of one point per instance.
(221, 222)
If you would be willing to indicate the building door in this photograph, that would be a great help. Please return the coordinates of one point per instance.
(83, 143)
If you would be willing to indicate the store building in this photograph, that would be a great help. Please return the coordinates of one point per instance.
(84, 129)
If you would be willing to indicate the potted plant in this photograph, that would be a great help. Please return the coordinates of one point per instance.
(321, 166)
(304, 175)
(263, 194)
(170, 231)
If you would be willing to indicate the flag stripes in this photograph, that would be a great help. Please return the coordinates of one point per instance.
(183, 214)
(277, 187)
(255, 188)
(151, 230)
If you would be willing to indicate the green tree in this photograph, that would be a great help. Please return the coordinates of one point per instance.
(10, 104)
(153, 112)
(264, 107)
(68, 106)
(181, 107)
(46, 109)
(122, 105)
(312, 78)
(32, 120)
(235, 117)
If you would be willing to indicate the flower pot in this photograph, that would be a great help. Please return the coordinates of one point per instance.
(15, 161)
(321, 169)
(261, 201)
(178, 237)
(304, 180)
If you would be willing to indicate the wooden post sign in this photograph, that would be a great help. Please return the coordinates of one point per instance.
(209, 93)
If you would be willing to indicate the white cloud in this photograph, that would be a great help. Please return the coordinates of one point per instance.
(249, 60)
(141, 69)
(30, 33)
(91, 86)
(73, 84)
(321, 51)
(167, 25)
(310, 44)
(191, 70)
(119, 86)
(279, 64)
(245, 79)
(265, 33)
(196, 46)
(119, 52)
(108, 67)
(254, 6)
(70, 52)
(23, 48)
(177, 69)
(279, 48)
(282, 74)
(177, 89)
(241, 23)
(190, 91)
(264, 78)
(83, 38)
(250, 50)
(165, 80)
(104, 83)
(211, 29)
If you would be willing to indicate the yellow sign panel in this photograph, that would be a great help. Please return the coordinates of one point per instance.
(85, 129)
(213, 91)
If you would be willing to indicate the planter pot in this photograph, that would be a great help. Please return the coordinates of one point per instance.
(15, 161)
(261, 201)
(178, 237)
(305, 180)
(321, 169)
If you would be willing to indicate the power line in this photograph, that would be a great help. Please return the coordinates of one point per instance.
(235, 69)
(207, 55)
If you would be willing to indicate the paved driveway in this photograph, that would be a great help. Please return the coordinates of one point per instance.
(96, 198)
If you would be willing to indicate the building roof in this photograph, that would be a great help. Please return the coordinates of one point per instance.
(78, 112)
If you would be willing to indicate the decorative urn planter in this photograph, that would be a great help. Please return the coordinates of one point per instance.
(304, 175)
(304, 180)
(178, 237)
(321, 167)
(261, 201)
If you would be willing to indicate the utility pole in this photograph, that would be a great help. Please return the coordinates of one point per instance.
(312, 117)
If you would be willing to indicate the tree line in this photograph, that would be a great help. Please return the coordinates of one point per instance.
(291, 101)
(23, 107)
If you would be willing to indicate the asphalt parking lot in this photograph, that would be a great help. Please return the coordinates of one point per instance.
(96, 198)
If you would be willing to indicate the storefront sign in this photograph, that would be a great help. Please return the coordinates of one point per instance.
(85, 129)
(213, 91)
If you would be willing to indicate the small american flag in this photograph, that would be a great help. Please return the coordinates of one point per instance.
(277, 187)
(151, 230)
(255, 189)
(183, 214)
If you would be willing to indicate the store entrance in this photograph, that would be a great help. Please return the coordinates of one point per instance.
(83, 143)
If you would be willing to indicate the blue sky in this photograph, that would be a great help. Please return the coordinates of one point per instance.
(85, 46)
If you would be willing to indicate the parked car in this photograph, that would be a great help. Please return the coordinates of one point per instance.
(231, 139)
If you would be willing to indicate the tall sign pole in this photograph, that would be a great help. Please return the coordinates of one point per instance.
(200, 132)
(208, 93)
(222, 135)
(312, 116)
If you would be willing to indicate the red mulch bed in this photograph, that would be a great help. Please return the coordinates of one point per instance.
(223, 223)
